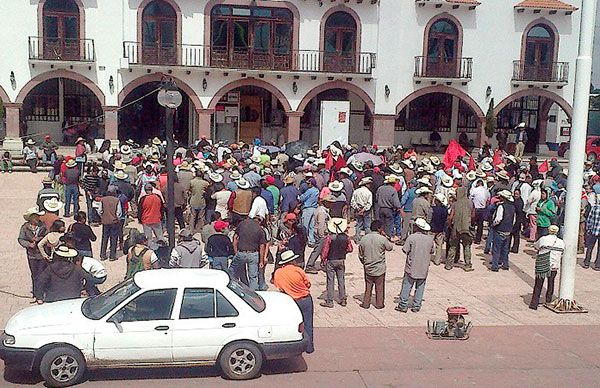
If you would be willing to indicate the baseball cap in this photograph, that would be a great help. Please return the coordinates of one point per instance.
(221, 225)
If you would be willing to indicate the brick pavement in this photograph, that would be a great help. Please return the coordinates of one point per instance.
(493, 299)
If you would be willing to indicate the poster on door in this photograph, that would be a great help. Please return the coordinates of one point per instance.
(334, 123)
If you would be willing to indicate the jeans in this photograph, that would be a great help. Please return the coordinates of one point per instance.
(407, 285)
(83, 253)
(465, 240)
(92, 214)
(110, 231)
(363, 224)
(316, 252)
(590, 242)
(478, 221)
(36, 267)
(397, 227)
(220, 263)
(500, 250)
(238, 267)
(386, 216)
(306, 308)
(537, 289)
(308, 222)
(49, 159)
(379, 283)
(489, 243)
(336, 269)
(71, 195)
(157, 231)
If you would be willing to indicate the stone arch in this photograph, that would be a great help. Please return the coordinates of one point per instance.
(442, 89)
(40, 12)
(157, 77)
(4, 96)
(349, 11)
(250, 82)
(61, 74)
(535, 92)
(337, 85)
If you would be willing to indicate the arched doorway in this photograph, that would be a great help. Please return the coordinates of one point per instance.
(159, 34)
(539, 53)
(442, 48)
(441, 109)
(63, 108)
(61, 30)
(547, 118)
(340, 42)
(142, 118)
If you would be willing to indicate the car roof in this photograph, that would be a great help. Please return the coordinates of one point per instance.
(181, 277)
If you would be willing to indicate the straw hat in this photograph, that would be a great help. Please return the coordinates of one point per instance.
(447, 180)
(234, 176)
(33, 211)
(429, 169)
(391, 179)
(422, 224)
(346, 170)
(423, 190)
(397, 168)
(337, 225)
(365, 181)
(120, 175)
(435, 160)
(215, 177)
(537, 182)
(442, 198)
(471, 175)
(480, 174)
(255, 159)
(65, 252)
(424, 181)
(47, 180)
(125, 149)
(30, 142)
(287, 256)
(71, 163)
(506, 195)
(502, 175)
(511, 158)
(53, 205)
(184, 166)
(242, 183)
(336, 186)
(358, 165)
(156, 141)
(408, 164)
(298, 157)
(486, 166)
(553, 229)
(119, 165)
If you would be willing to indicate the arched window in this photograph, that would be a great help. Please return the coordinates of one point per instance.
(340, 42)
(442, 49)
(159, 34)
(539, 53)
(61, 30)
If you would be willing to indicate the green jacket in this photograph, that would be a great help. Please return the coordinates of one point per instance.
(546, 213)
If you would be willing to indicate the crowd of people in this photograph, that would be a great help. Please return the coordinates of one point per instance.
(241, 207)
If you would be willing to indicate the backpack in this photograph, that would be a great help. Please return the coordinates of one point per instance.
(135, 264)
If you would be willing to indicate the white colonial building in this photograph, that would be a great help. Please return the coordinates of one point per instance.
(260, 68)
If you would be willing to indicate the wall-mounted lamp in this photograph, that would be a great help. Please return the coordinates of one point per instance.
(488, 92)
(111, 84)
(387, 91)
(204, 84)
(13, 81)
(295, 87)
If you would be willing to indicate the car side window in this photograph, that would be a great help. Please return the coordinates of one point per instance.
(224, 307)
(198, 303)
(150, 306)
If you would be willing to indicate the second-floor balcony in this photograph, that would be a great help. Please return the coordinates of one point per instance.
(220, 57)
(550, 73)
(61, 49)
(436, 69)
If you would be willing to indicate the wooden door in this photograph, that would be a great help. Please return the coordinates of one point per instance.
(251, 118)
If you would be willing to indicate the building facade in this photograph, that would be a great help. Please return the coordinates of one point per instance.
(260, 68)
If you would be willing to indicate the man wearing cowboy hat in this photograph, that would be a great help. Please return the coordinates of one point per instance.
(371, 253)
(344, 176)
(49, 148)
(520, 140)
(460, 230)
(503, 222)
(388, 203)
(46, 192)
(362, 203)
(335, 248)
(187, 253)
(30, 154)
(71, 182)
(418, 247)
(289, 195)
(198, 186)
(480, 197)
(292, 280)
(406, 209)
(422, 204)
(30, 234)
(242, 201)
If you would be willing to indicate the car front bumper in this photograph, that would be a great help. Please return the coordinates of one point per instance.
(17, 358)
(286, 349)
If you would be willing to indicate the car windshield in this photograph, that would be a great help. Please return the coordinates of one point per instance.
(98, 306)
(250, 297)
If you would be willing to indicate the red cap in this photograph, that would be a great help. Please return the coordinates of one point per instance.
(270, 180)
(376, 170)
(221, 225)
(290, 217)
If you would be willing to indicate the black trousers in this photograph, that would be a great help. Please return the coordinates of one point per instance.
(306, 308)
(537, 289)
(179, 217)
(36, 267)
(478, 223)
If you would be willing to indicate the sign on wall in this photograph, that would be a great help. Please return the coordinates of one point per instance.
(334, 124)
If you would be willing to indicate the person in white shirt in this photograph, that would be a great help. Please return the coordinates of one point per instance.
(96, 269)
(259, 205)
(530, 208)
(362, 203)
(480, 196)
(523, 186)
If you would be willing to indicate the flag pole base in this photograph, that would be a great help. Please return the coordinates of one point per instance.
(565, 306)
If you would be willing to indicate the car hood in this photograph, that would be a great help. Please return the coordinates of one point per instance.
(61, 313)
(280, 308)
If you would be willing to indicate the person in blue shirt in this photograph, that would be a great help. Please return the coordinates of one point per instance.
(289, 196)
(439, 219)
(309, 201)
(268, 197)
(406, 206)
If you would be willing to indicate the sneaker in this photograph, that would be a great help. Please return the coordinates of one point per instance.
(112, 259)
(364, 306)
(447, 268)
(586, 265)
(343, 302)
(595, 268)
(415, 310)
(312, 270)
(468, 269)
(402, 310)
(327, 304)
(103, 258)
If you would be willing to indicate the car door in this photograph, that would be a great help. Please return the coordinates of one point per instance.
(141, 331)
(206, 321)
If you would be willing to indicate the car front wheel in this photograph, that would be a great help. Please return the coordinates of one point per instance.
(241, 361)
(62, 367)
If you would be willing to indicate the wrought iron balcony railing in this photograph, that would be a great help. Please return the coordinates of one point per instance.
(557, 72)
(444, 68)
(61, 49)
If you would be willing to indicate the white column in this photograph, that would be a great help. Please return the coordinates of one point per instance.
(454, 118)
(61, 100)
(583, 73)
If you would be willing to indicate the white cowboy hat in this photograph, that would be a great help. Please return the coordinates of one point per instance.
(235, 175)
(424, 181)
(520, 125)
(30, 142)
(397, 168)
(423, 190)
(298, 157)
(511, 158)
(486, 166)
(435, 160)
(308, 174)
(336, 186)
(426, 162)
(537, 182)
(53, 205)
(184, 165)
(79, 139)
(120, 175)
(471, 175)
(502, 175)
(215, 177)
(65, 252)
(311, 153)
(242, 183)
(274, 162)
(255, 159)
(480, 174)
(319, 161)
(447, 181)
(337, 225)
(125, 149)
(346, 170)
(429, 169)
(358, 165)
(156, 141)
(119, 165)
(422, 224)
(442, 198)
(408, 164)
(365, 181)
(33, 211)
(287, 256)
(490, 179)
(506, 195)
(71, 163)
(391, 178)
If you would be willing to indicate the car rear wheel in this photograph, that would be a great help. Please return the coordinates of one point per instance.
(592, 157)
(241, 361)
(62, 367)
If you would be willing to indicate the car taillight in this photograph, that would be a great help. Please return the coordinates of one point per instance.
(301, 328)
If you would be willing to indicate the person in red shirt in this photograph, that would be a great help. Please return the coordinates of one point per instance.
(291, 280)
(150, 210)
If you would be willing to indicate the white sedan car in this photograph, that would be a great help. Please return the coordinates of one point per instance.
(169, 317)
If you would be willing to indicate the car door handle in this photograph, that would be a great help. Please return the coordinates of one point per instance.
(161, 328)
(228, 325)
